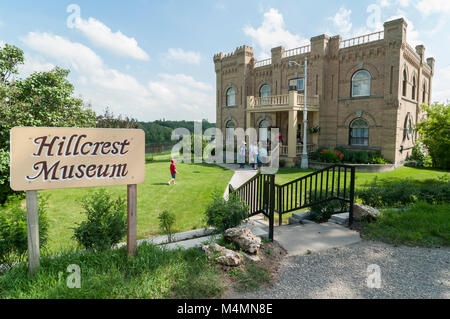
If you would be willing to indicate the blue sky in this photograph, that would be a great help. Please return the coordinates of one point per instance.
(153, 59)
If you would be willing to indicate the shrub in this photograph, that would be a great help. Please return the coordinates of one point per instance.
(105, 224)
(282, 163)
(404, 192)
(223, 214)
(331, 156)
(321, 213)
(166, 222)
(13, 229)
(5, 190)
(435, 134)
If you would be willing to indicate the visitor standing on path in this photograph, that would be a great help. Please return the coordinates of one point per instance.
(241, 155)
(173, 172)
(254, 152)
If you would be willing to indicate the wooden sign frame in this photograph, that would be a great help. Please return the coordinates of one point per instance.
(22, 153)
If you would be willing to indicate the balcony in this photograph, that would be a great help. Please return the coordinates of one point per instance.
(286, 102)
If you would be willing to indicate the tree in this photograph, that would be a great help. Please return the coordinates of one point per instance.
(435, 134)
(41, 99)
(108, 120)
(10, 58)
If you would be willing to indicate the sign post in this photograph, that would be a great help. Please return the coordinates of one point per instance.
(33, 231)
(131, 219)
(50, 158)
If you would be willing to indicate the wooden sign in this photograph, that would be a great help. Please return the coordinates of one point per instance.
(47, 158)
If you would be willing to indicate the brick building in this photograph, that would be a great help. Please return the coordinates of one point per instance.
(363, 93)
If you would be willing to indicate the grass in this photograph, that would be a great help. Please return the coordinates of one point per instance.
(153, 273)
(285, 175)
(419, 225)
(416, 175)
(187, 200)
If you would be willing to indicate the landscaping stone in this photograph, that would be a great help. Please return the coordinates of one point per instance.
(244, 238)
(341, 218)
(223, 255)
(361, 212)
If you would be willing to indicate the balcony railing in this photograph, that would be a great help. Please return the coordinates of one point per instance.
(362, 39)
(293, 99)
(297, 51)
(310, 148)
(276, 100)
(263, 63)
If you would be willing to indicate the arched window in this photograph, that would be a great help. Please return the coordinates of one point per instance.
(359, 132)
(408, 128)
(404, 83)
(231, 97)
(230, 130)
(361, 83)
(264, 133)
(413, 94)
(264, 94)
(264, 91)
(424, 92)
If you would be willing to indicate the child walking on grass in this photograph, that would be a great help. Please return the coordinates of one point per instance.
(173, 172)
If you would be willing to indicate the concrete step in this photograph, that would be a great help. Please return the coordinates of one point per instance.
(341, 218)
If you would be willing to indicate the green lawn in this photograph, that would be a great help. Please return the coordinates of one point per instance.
(187, 199)
(421, 224)
(285, 175)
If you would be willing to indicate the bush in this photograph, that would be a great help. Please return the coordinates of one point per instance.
(5, 190)
(105, 225)
(223, 214)
(404, 192)
(321, 213)
(166, 222)
(13, 229)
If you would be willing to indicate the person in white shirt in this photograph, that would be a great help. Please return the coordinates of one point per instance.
(254, 155)
(262, 158)
(241, 154)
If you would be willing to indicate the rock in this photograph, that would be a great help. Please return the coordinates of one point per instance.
(361, 212)
(244, 238)
(223, 255)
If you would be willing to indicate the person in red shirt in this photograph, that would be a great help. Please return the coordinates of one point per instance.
(173, 172)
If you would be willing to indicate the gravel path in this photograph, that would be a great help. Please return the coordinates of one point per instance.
(406, 272)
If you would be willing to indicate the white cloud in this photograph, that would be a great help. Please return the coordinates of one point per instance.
(183, 56)
(441, 91)
(2, 44)
(34, 64)
(341, 20)
(171, 96)
(102, 36)
(433, 6)
(404, 3)
(273, 33)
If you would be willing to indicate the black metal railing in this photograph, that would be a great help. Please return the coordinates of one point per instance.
(336, 182)
(263, 196)
(259, 194)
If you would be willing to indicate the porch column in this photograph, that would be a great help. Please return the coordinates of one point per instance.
(292, 133)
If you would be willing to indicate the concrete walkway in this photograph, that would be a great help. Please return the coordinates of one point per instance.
(241, 175)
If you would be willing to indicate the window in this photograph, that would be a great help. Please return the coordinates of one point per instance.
(413, 94)
(424, 92)
(297, 85)
(231, 97)
(404, 83)
(408, 128)
(361, 83)
(264, 94)
(230, 130)
(359, 132)
(264, 91)
(264, 133)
